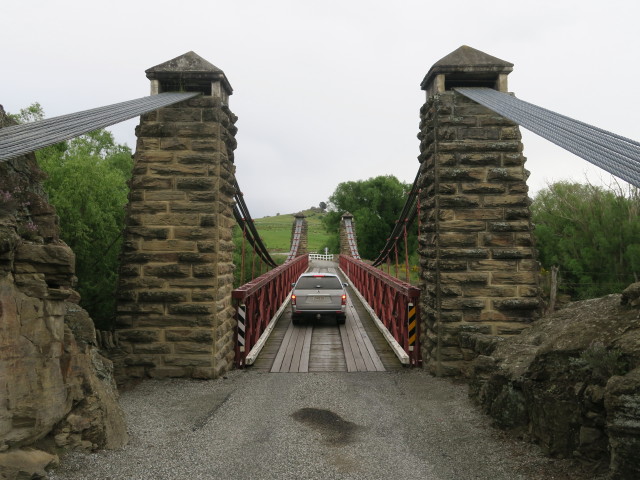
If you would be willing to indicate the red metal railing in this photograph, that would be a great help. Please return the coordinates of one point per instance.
(257, 302)
(395, 303)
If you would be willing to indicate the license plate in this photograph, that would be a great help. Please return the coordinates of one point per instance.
(319, 299)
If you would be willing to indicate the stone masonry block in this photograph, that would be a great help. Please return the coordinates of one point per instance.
(170, 219)
(188, 360)
(174, 143)
(196, 335)
(511, 253)
(177, 169)
(200, 183)
(190, 309)
(493, 265)
(169, 246)
(456, 239)
(513, 278)
(464, 253)
(162, 296)
(506, 201)
(193, 348)
(506, 174)
(464, 278)
(463, 174)
(479, 214)
(180, 115)
(194, 233)
(168, 271)
(151, 183)
(483, 188)
(152, 348)
(139, 335)
(478, 159)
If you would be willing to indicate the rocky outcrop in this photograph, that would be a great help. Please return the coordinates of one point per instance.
(571, 382)
(56, 390)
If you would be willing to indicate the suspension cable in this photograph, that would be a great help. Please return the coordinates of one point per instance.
(28, 137)
(407, 216)
(243, 217)
(614, 153)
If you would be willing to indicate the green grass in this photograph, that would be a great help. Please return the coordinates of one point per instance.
(276, 232)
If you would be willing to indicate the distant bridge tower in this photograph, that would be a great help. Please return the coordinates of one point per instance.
(348, 239)
(300, 234)
(476, 244)
(174, 314)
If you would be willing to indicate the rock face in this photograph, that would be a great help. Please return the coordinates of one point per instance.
(56, 390)
(571, 382)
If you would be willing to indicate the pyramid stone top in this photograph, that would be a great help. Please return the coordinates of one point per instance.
(467, 66)
(188, 72)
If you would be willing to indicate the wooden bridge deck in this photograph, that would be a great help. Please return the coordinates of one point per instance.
(323, 346)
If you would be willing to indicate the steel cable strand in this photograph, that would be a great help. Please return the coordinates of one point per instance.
(510, 98)
(21, 139)
(628, 149)
(583, 148)
(247, 217)
(241, 223)
(406, 209)
(603, 152)
(74, 119)
(81, 121)
(626, 155)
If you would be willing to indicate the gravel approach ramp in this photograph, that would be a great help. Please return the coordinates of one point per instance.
(329, 425)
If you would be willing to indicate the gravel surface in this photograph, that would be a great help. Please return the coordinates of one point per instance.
(252, 425)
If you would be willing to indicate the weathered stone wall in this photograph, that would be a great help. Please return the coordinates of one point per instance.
(55, 387)
(175, 316)
(479, 271)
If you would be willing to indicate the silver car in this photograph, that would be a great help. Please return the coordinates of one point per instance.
(318, 294)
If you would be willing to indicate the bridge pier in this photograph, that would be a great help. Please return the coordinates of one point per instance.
(479, 268)
(174, 312)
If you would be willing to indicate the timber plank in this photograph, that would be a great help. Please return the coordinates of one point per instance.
(277, 363)
(306, 349)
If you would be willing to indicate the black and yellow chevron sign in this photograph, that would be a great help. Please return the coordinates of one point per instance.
(412, 326)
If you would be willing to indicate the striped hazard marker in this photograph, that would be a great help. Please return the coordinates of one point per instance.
(242, 316)
(412, 326)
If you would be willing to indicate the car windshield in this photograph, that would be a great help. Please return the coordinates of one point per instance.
(308, 283)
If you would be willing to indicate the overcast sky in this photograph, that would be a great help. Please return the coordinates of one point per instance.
(329, 91)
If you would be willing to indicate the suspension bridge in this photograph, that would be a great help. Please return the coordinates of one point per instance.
(178, 314)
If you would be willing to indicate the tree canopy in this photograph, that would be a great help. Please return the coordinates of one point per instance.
(375, 205)
(591, 233)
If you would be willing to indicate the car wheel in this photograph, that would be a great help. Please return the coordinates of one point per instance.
(341, 319)
(295, 319)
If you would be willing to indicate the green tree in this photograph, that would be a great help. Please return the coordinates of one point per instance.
(87, 183)
(375, 204)
(591, 233)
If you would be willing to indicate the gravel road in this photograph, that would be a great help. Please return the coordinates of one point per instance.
(252, 425)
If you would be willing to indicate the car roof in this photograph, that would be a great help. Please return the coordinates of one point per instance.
(316, 274)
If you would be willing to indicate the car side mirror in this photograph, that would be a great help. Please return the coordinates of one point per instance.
(345, 284)
(293, 284)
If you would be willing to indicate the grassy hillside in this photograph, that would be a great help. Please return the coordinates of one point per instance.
(276, 231)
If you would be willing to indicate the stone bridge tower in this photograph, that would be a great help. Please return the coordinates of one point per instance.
(301, 235)
(348, 239)
(174, 314)
(479, 270)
